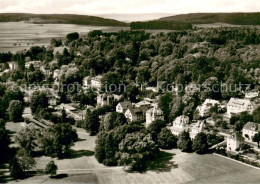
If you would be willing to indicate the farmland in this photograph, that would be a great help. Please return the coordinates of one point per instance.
(16, 36)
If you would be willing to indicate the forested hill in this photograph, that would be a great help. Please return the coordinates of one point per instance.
(59, 19)
(209, 18)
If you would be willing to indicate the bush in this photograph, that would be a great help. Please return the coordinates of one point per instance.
(51, 168)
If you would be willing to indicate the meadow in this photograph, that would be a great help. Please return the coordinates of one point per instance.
(16, 36)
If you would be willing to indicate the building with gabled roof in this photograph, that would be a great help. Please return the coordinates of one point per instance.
(135, 114)
(123, 106)
(236, 106)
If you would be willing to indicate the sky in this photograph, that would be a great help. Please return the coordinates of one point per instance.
(95, 7)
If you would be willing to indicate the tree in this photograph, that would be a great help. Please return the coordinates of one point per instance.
(51, 168)
(15, 110)
(27, 138)
(15, 170)
(39, 101)
(72, 36)
(57, 140)
(136, 149)
(200, 143)
(184, 142)
(4, 142)
(166, 140)
(256, 138)
(155, 128)
(25, 160)
(92, 122)
(256, 115)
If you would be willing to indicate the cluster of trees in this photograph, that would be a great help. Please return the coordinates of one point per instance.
(120, 143)
(54, 141)
(160, 25)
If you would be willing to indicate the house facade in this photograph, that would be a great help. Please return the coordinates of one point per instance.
(249, 130)
(134, 114)
(196, 128)
(104, 99)
(153, 114)
(233, 143)
(13, 65)
(180, 124)
(96, 82)
(206, 106)
(123, 106)
(236, 106)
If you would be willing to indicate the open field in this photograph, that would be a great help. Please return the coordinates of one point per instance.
(192, 168)
(16, 36)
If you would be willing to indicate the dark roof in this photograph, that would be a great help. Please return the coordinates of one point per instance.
(125, 104)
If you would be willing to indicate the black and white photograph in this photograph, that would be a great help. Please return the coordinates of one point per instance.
(130, 91)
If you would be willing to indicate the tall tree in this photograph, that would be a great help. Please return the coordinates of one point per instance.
(15, 110)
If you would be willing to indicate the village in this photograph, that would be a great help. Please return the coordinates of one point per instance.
(133, 109)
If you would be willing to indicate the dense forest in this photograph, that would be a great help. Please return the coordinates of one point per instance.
(209, 18)
(160, 25)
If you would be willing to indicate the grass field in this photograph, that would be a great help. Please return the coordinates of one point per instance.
(16, 36)
(191, 168)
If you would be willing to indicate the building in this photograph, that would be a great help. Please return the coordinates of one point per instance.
(206, 106)
(86, 82)
(236, 106)
(249, 130)
(45, 70)
(251, 95)
(153, 114)
(134, 114)
(180, 124)
(36, 64)
(56, 74)
(13, 65)
(196, 128)
(233, 142)
(104, 99)
(96, 82)
(123, 106)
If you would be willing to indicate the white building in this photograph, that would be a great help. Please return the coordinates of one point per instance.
(96, 82)
(249, 130)
(251, 94)
(104, 99)
(56, 74)
(233, 142)
(13, 65)
(205, 107)
(236, 106)
(86, 82)
(179, 125)
(36, 64)
(153, 114)
(196, 128)
(123, 106)
(45, 70)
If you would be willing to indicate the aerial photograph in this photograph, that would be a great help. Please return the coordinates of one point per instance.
(130, 91)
